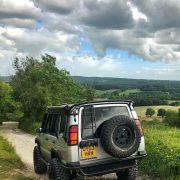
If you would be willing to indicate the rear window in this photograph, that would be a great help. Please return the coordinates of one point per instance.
(93, 117)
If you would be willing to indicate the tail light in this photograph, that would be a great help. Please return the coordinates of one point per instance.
(73, 135)
(138, 123)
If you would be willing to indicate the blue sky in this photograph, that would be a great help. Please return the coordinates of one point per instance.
(135, 40)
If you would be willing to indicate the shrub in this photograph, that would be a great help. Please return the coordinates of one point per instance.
(150, 112)
(29, 125)
(172, 118)
(176, 103)
(161, 112)
(10, 110)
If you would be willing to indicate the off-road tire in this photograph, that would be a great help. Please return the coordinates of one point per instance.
(39, 166)
(120, 137)
(127, 174)
(57, 171)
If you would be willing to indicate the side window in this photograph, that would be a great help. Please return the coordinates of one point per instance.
(44, 121)
(47, 124)
(57, 119)
(62, 123)
(53, 125)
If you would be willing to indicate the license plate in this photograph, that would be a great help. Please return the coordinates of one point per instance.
(88, 152)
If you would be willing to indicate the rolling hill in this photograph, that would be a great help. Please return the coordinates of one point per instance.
(105, 83)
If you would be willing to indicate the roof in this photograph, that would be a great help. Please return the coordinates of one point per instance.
(68, 107)
(104, 102)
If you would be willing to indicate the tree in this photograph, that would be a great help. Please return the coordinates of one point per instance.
(39, 83)
(161, 112)
(172, 118)
(9, 109)
(150, 112)
(89, 93)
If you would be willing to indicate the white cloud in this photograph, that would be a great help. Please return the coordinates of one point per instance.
(90, 66)
(147, 30)
(58, 6)
(136, 14)
(16, 22)
(18, 9)
(34, 42)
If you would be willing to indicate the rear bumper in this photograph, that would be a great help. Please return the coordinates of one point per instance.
(106, 166)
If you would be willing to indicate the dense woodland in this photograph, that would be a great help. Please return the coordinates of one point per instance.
(142, 92)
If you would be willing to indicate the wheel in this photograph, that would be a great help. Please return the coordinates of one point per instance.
(127, 174)
(57, 171)
(39, 166)
(120, 136)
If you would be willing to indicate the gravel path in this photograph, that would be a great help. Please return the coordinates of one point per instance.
(24, 144)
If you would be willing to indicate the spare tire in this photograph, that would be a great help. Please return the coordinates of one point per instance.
(120, 136)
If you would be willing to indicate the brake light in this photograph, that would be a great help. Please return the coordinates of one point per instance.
(73, 135)
(138, 123)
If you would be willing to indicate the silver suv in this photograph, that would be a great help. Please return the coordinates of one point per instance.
(88, 139)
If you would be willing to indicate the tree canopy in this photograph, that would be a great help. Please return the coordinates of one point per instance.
(39, 83)
(150, 112)
(9, 109)
(161, 112)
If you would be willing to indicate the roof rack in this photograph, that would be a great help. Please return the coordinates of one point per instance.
(129, 102)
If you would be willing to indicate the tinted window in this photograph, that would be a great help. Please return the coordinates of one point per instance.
(52, 124)
(62, 124)
(47, 123)
(44, 121)
(99, 115)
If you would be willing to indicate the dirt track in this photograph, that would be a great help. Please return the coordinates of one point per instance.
(24, 144)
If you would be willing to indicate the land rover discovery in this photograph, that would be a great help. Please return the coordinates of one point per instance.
(89, 139)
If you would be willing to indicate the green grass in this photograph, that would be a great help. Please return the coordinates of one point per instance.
(11, 166)
(170, 101)
(127, 92)
(141, 110)
(100, 92)
(163, 148)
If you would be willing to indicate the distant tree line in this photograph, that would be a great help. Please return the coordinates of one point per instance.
(144, 98)
(152, 92)
(107, 83)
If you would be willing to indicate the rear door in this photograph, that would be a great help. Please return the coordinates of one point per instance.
(91, 120)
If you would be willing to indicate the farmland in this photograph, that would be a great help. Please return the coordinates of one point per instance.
(143, 92)
(141, 110)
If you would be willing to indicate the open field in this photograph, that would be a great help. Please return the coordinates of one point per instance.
(128, 91)
(141, 110)
(163, 149)
(100, 92)
(11, 167)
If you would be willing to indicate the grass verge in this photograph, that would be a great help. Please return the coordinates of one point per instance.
(163, 148)
(11, 166)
